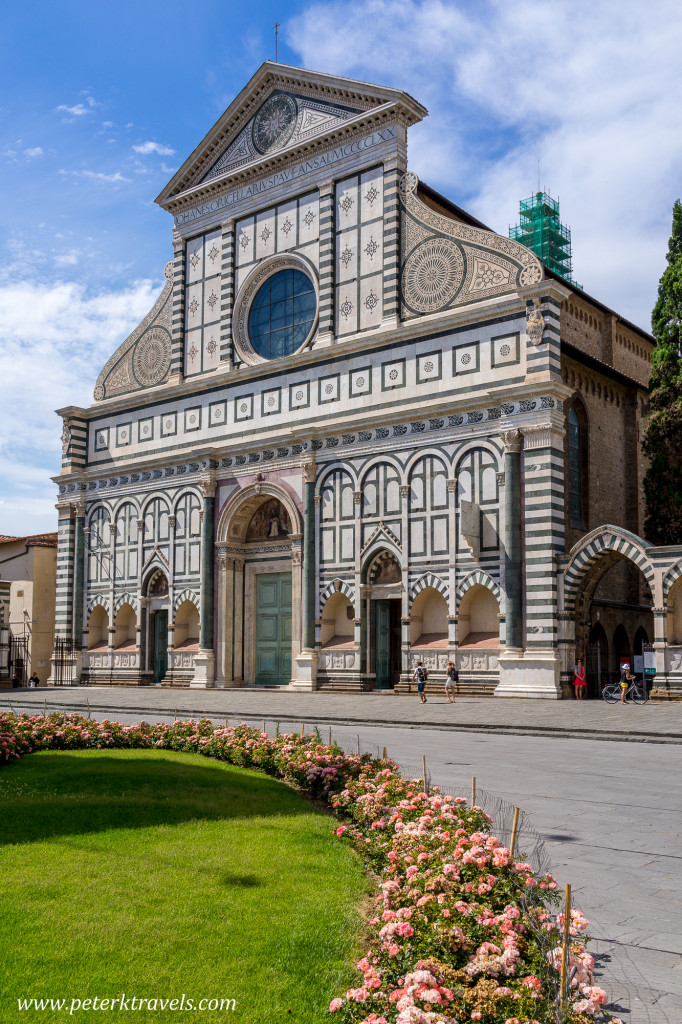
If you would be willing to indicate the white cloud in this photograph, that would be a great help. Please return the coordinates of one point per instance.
(592, 90)
(106, 179)
(54, 339)
(78, 110)
(153, 147)
(33, 152)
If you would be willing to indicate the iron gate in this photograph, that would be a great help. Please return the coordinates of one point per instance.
(18, 658)
(64, 660)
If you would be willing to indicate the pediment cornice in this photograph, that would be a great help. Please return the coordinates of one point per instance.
(362, 106)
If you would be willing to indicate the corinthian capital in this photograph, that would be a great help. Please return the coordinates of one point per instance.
(512, 440)
(208, 486)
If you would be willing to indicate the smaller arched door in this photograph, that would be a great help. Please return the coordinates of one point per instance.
(157, 592)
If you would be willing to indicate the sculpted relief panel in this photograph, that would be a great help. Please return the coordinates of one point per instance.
(446, 263)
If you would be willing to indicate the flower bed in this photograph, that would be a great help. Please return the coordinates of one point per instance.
(461, 932)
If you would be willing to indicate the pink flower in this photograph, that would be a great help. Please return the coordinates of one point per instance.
(405, 929)
(341, 829)
(335, 1005)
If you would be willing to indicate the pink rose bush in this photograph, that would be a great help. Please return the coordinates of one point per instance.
(461, 930)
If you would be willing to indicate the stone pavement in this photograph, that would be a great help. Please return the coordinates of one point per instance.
(652, 723)
(608, 812)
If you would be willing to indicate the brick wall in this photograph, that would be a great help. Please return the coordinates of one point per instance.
(615, 465)
(605, 337)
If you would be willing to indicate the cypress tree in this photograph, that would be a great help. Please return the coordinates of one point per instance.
(663, 434)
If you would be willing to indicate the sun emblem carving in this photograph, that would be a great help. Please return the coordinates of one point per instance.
(433, 275)
(274, 123)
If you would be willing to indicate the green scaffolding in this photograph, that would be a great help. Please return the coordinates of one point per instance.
(542, 231)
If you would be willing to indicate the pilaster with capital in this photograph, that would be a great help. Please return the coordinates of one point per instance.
(79, 510)
(309, 571)
(512, 441)
(227, 290)
(325, 330)
(178, 313)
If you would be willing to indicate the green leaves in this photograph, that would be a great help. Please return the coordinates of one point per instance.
(663, 434)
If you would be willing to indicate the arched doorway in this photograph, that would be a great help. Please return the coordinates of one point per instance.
(384, 598)
(157, 638)
(608, 590)
(260, 585)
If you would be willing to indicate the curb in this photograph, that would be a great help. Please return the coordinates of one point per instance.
(554, 732)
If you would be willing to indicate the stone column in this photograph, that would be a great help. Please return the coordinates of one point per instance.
(78, 585)
(513, 543)
(78, 573)
(405, 608)
(221, 644)
(307, 660)
(204, 660)
(238, 634)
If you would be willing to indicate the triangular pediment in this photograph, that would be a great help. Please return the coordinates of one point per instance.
(282, 110)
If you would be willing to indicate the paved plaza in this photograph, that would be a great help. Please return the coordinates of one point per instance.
(609, 812)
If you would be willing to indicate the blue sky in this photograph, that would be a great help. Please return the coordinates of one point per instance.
(99, 105)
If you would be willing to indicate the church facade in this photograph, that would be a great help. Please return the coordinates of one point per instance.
(357, 430)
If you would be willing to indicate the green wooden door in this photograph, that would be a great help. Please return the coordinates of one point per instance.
(160, 645)
(383, 644)
(273, 629)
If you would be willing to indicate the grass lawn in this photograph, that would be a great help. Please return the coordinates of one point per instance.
(158, 874)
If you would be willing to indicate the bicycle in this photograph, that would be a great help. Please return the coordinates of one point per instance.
(611, 693)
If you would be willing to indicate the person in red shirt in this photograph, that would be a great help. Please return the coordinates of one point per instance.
(579, 680)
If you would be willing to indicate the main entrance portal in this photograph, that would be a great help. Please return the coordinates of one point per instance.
(387, 643)
(273, 629)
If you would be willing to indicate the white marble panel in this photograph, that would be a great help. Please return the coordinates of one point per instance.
(211, 346)
(346, 256)
(429, 366)
(287, 226)
(245, 241)
(212, 300)
(213, 246)
(193, 301)
(394, 374)
(466, 358)
(308, 219)
(372, 194)
(371, 248)
(505, 350)
(241, 274)
(371, 306)
(265, 234)
(346, 308)
(195, 259)
(312, 252)
(329, 389)
(272, 401)
(347, 205)
(299, 395)
(243, 407)
(361, 382)
(193, 347)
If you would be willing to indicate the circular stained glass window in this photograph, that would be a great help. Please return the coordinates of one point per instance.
(282, 314)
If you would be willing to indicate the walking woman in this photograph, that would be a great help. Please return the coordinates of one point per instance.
(579, 680)
(451, 680)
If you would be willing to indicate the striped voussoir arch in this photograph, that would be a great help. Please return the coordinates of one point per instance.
(428, 580)
(185, 595)
(125, 599)
(670, 578)
(478, 577)
(333, 588)
(98, 601)
(616, 542)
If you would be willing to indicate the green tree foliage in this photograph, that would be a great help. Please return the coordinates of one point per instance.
(663, 435)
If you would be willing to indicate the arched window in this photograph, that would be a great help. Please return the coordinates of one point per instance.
(577, 447)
